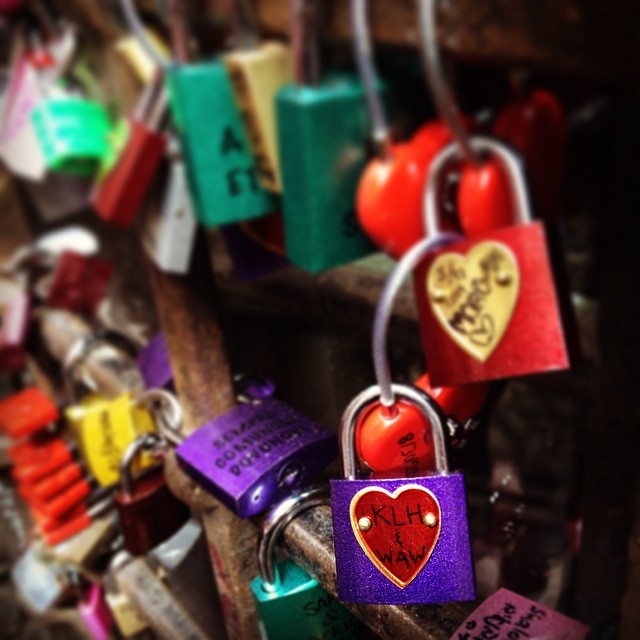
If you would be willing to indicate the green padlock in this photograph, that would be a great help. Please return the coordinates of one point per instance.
(73, 134)
(220, 165)
(322, 138)
(290, 603)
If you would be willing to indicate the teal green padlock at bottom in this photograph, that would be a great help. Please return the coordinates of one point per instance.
(290, 603)
(73, 134)
(322, 136)
(220, 165)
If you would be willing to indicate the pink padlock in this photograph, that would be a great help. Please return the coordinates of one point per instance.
(96, 613)
(13, 332)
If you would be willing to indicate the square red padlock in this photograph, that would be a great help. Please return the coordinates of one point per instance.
(24, 413)
(79, 283)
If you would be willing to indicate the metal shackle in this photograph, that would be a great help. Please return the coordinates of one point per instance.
(82, 348)
(145, 442)
(427, 406)
(509, 160)
(304, 42)
(275, 523)
(166, 411)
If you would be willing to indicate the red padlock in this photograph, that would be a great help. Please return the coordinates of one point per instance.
(484, 198)
(27, 412)
(488, 305)
(395, 439)
(389, 197)
(58, 482)
(31, 473)
(534, 124)
(118, 196)
(79, 283)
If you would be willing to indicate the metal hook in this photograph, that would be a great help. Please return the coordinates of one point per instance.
(364, 61)
(242, 24)
(275, 523)
(427, 17)
(304, 40)
(135, 25)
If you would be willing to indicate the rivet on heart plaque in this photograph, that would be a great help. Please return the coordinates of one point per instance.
(473, 296)
(398, 531)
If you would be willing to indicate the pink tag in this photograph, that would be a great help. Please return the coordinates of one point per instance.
(509, 616)
(96, 613)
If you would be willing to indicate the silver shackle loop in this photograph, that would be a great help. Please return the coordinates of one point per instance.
(427, 406)
(304, 42)
(275, 523)
(167, 413)
(145, 442)
(366, 70)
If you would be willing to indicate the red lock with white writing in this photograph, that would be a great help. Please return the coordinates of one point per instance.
(488, 305)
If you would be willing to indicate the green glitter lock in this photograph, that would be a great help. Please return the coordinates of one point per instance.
(220, 165)
(322, 136)
(72, 133)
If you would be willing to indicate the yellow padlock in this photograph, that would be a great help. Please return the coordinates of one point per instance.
(140, 62)
(257, 75)
(104, 429)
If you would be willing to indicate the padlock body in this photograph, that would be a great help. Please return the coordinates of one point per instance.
(14, 325)
(150, 515)
(322, 134)
(400, 540)
(118, 196)
(256, 454)
(154, 365)
(300, 609)
(489, 309)
(256, 76)
(79, 283)
(220, 165)
(24, 413)
(103, 432)
(72, 133)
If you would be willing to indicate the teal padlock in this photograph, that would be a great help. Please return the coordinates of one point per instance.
(291, 604)
(73, 134)
(322, 141)
(220, 165)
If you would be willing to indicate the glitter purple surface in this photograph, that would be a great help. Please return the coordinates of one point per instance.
(447, 576)
(153, 362)
(256, 454)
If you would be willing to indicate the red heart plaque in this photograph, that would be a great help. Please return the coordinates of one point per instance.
(397, 531)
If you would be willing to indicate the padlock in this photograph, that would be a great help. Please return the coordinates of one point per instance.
(154, 365)
(400, 541)
(118, 195)
(72, 132)
(127, 618)
(41, 584)
(533, 123)
(290, 603)
(257, 74)
(322, 135)
(79, 283)
(95, 613)
(25, 413)
(103, 433)
(58, 481)
(255, 454)
(488, 306)
(13, 331)
(220, 166)
(149, 513)
(57, 453)
(169, 231)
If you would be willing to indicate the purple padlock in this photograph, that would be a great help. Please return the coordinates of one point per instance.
(256, 454)
(153, 362)
(400, 540)
(13, 333)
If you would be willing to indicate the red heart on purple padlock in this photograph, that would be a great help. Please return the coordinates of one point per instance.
(397, 531)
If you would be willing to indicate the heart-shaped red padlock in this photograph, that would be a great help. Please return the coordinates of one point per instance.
(484, 199)
(389, 197)
(535, 126)
(395, 439)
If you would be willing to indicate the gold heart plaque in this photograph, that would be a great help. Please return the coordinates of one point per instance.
(473, 296)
